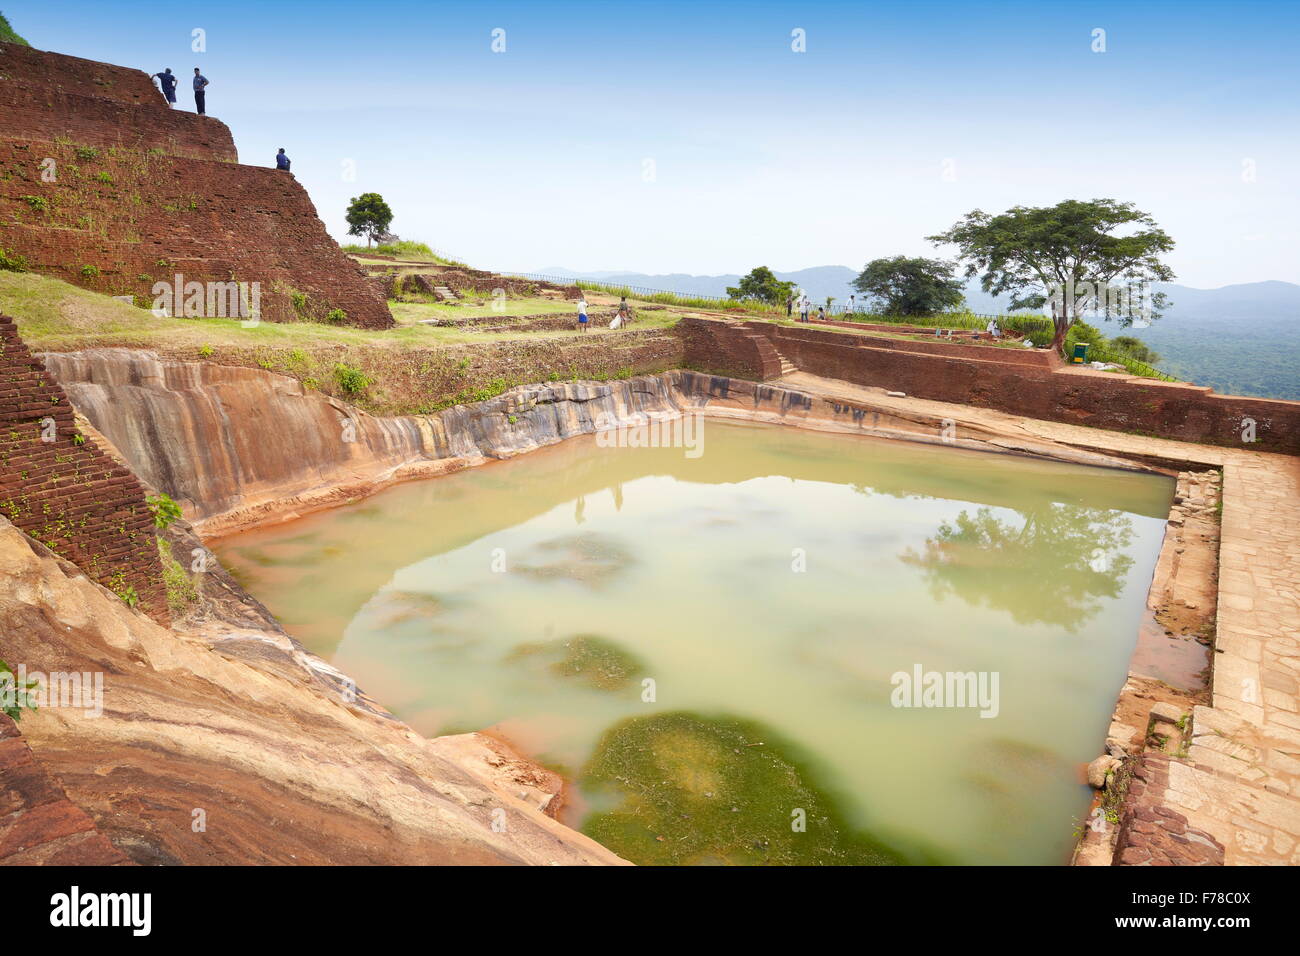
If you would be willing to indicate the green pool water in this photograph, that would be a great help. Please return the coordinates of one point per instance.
(707, 647)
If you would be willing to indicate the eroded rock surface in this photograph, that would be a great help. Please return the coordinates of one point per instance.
(202, 755)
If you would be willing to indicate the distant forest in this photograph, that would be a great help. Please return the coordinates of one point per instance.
(1234, 357)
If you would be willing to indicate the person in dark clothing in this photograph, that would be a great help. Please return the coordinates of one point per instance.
(167, 80)
(200, 96)
(789, 305)
(281, 160)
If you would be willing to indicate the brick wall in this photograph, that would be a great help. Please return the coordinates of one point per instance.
(728, 348)
(1116, 402)
(1033, 358)
(67, 494)
(58, 71)
(138, 193)
(1152, 834)
(123, 220)
(86, 120)
(45, 96)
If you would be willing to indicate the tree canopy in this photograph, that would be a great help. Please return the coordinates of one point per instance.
(762, 285)
(369, 216)
(910, 286)
(1068, 255)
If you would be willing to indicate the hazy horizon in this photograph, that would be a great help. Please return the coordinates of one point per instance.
(896, 121)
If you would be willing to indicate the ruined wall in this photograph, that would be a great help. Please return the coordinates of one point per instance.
(101, 184)
(49, 96)
(727, 348)
(66, 493)
(1030, 358)
(119, 221)
(1112, 401)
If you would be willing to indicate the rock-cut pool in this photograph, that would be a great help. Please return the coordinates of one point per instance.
(793, 648)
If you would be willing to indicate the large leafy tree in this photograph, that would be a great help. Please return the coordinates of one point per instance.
(761, 285)
(1074, 255)
(369, 216)
(911, 286)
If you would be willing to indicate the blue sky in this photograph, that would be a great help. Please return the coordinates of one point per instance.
(898, 119)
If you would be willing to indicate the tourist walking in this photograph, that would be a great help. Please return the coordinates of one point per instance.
(200, 92)
(789, 305)
(167, 81)
(803, 307)
(281, 160)
(582, 313)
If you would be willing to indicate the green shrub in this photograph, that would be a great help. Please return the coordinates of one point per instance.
(39, 203)
(11, 261)
(336, 315)
(205, 351)
(181, 590)
(103, 177)
(89, 272)
(301, 304)
(22, 697)
(87, 153)
(350, 380)
(164, 509)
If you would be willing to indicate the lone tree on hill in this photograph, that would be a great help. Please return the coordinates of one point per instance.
(369, 216)
(762, 286)
(1068, 255)
(910, 286)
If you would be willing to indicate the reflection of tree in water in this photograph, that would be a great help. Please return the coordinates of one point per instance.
(1052, 569)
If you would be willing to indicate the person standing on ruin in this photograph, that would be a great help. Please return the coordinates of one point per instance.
(281, 160)
(582, 312)
(167, 81)
(200, 94)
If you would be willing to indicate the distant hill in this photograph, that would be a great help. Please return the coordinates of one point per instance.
(1239, 339)
(818, 282)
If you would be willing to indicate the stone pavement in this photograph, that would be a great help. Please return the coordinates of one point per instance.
(1240, 778)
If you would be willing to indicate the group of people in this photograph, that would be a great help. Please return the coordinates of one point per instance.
(167, 82)
(801, 301)
(621, 317)
(804, 305)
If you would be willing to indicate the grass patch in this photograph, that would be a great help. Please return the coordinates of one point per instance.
(695, 789)
(414, 368)
(182, 592)
(413, 251)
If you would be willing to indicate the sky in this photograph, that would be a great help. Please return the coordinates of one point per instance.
(693, 137)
